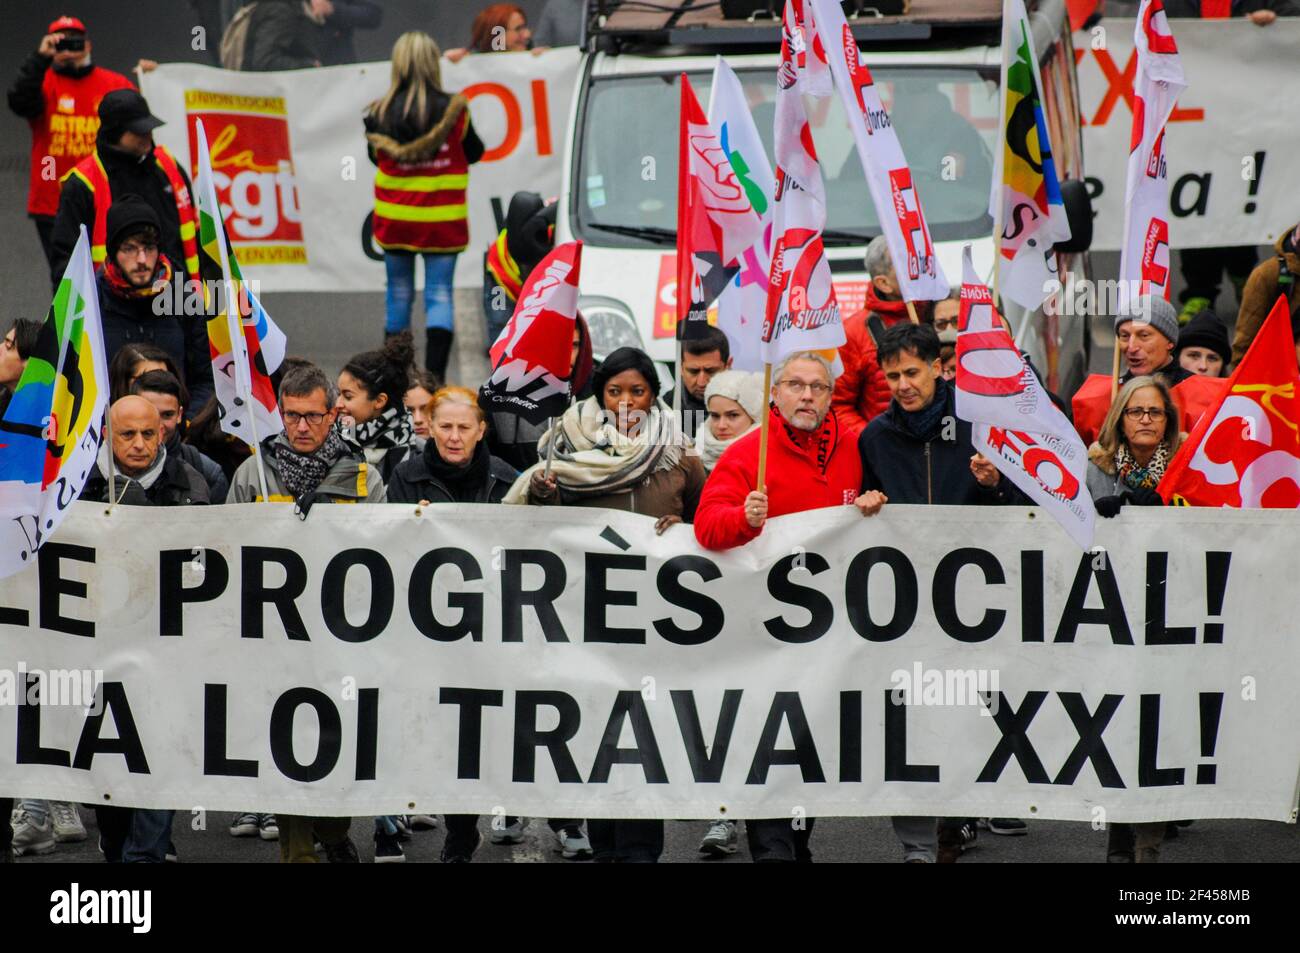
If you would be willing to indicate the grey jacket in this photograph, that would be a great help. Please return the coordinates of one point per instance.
(350, 480)
(1102, 484)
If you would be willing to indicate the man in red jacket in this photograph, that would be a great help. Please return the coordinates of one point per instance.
(861, 391)
(58, 92)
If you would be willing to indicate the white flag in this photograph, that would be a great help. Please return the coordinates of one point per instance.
(1015, 423)
(1144, 256)
(742, 303)
(898, 204)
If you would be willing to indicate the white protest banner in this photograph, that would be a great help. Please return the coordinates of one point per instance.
(568, 662)
(289, 156)
(1227, 142)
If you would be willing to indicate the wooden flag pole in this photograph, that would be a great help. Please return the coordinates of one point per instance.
(1114, 372)
(112, 468)
(911, 313)
(762, 433)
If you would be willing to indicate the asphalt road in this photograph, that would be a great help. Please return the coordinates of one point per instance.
(840, 840)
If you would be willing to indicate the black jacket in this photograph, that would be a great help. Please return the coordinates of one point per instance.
(413, 480)
(183, 336)
(1173, 374)
(178, 485)
(204, 466)
(693, 412)
(935, 471)
(336, 47)
(126, 174)
(407, 129)
(281, 36)
(27, 94)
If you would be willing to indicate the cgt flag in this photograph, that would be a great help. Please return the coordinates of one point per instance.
(245, 344)
(897, 202)
(532, 359)
(1245, 453)
(715, 220)
(1026, 197)
(802, 314)
(53, 426)
(1016, 425)
(1144, 252)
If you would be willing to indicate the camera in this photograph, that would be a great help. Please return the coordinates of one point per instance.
(71, 44)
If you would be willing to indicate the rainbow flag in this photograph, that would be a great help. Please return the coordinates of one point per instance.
(51, 431)
(1026, 197)
(245, 344)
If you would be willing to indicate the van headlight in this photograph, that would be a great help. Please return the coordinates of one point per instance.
(611, 323)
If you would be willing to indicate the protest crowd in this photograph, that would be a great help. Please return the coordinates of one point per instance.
(872, 420)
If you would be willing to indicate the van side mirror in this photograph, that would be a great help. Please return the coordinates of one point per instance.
(1078, 212)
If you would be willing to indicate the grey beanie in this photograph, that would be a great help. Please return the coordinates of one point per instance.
(1153, 310)
(744, 388)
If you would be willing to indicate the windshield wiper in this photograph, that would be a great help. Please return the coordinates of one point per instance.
(650, 233)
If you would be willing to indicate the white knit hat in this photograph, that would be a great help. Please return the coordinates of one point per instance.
(744, 388)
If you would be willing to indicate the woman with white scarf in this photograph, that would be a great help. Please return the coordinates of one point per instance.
(620, 449)
(372, 414)
(734, 400)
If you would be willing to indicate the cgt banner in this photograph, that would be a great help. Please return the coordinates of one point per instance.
(570, 663)
(289, 157)
(1228, 143)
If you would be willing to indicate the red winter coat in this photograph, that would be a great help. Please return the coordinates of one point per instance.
(861, 392)
(797, 479)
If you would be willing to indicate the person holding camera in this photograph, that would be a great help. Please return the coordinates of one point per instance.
(58, 92)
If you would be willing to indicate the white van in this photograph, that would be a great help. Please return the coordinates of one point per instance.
(937, 69)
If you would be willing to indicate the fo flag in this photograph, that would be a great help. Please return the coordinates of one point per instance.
(1144, 254)
(532, 359)
(897, 202)
(802, 314)
(1016, 425)
(1026, 196)
(742, 303)
(715, 220)
(52, 428)
(1246, 452)
(245, 344)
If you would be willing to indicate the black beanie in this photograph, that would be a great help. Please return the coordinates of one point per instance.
(126, 216)
(1207, 331)
(624, 359)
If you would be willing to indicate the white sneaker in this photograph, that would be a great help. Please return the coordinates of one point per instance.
(32, 838)
(511, 833)
(720, 839)
(573, 843)
(68, 828)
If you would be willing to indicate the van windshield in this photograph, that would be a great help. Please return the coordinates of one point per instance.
(625, 184)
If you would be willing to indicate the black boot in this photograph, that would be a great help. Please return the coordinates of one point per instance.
(437, 349)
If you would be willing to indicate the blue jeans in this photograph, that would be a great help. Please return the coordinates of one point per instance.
(134, 835)
(497, 308)
(438, 269)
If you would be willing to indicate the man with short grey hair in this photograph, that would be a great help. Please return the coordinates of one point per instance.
(1147, 332)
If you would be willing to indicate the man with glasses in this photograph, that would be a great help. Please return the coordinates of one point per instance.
(139, 287)
(810, 464)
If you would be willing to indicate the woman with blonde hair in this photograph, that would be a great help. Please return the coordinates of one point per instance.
(1138, 438)
(423, 143)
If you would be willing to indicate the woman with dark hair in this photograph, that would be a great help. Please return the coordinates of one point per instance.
(419, 402)
(421, 139)
(18, 344)
(134, 359)
(372, 414)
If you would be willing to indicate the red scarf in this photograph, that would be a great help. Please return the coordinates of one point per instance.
(891, 312)
(823, 440)
(120, 286)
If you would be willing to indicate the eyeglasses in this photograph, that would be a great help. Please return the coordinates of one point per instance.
(1137, 413)
(131, 249)
(292, 417)
(798, 387)
(943, 324)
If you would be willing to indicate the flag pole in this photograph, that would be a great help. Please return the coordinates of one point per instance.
(112, 470)
(911, 313)
(1114, 372)
(762, 433)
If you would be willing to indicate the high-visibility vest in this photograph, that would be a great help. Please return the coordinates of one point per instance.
(90, 171)
(421, 206)
(504, 268)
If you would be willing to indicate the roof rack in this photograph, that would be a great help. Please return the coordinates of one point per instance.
(757, 23)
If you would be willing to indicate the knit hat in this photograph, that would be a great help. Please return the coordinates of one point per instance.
(1207, 331)
(128, 215)
(1153, 310)
(744, 388)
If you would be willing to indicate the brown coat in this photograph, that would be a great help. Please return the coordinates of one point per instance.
(674, 492)
(1261, 293)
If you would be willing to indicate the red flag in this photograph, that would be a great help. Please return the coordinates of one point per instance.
(1246, 454)
(716, 223)
(531, 359)
(1080, 11)
(1193, 396)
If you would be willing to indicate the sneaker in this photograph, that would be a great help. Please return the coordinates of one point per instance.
(245, 825)
(1006, 826)
(573, 843)
(720, 840)
(387, 849)
(68, 828)
(33, 838)
(170, 856)
(267, 827)
(344, 852)
(1191, 308)
(512, 833)
(449, 856)
(422, 822)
